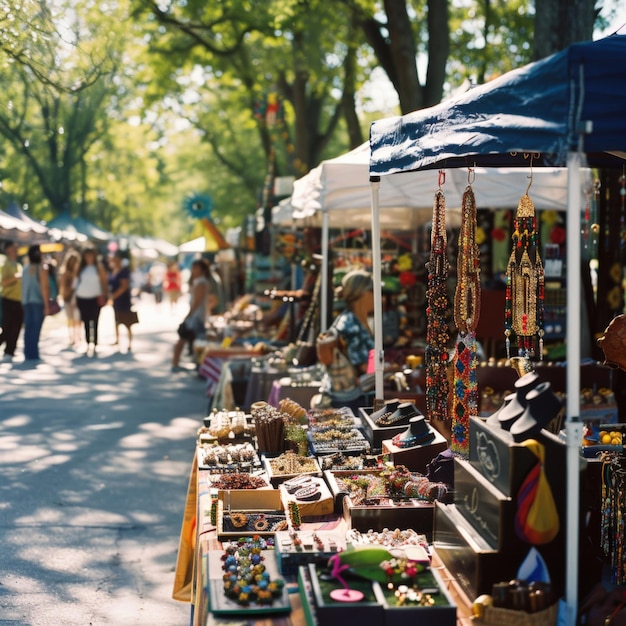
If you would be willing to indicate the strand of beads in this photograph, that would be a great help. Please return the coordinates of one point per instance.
(466, 316)
(436, 353)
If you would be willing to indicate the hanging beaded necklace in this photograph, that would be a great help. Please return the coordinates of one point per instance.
(466, 315)
(436, 353)
(523, 313)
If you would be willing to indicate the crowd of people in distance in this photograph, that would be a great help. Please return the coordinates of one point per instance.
(32, 287)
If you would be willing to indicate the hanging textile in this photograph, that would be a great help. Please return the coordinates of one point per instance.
(523, 314)
(436, 354)
(466, 316)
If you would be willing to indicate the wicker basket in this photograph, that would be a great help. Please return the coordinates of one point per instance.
(499, 617)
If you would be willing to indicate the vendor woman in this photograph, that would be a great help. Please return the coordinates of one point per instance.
(356, 290)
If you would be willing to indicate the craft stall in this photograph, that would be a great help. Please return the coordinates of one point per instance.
(482, 504)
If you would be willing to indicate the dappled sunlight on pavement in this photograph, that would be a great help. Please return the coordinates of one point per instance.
(95, 454)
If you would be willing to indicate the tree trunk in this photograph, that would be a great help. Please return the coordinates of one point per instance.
(403, 53)
(438, 50)
(348, 98)
(559, 23)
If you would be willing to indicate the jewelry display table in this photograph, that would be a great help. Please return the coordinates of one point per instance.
(198, 538)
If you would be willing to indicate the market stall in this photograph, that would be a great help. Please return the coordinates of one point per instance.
(560, 112)
(295, 483)
(337, 193)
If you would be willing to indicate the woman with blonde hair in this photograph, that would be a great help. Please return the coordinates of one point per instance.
(68, 277)
(356, 337)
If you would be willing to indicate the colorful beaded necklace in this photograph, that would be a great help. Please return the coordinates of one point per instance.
(466, 315)
(436, 353)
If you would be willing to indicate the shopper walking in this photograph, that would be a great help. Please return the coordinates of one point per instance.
(193, 325)
(119, 288)
(91, 294)
(67, 287)
(172, 284)
(12, 312)
(35, 296)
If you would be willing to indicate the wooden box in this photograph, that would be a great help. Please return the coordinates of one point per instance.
(443, 613)
(324, 506)
(277, 479)
(254, 504)
(377, 434)
(418, 457)
(290, 556)
(498, 458)
(475, 564)
(323, 611)
(490, 512)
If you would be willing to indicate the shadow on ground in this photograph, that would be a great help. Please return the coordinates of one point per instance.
(95, 455)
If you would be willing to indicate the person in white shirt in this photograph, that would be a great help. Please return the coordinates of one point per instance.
(91, 294)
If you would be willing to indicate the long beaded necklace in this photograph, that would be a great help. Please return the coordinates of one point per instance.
(436, 353)
(612, 516)
(523, 313)
(466, 316)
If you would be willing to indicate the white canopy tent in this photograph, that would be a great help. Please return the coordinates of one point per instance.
(338, 190)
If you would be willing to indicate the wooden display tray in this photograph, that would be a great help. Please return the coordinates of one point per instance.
(412, 513)
(219, 604)
(277, 479)
(319, 612)
(249, 502)
(416, 458)
(377, 434)
(323, 506)
(322, 611)
(441, 614)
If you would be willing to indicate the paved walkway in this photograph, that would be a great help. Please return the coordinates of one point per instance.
(94, 459)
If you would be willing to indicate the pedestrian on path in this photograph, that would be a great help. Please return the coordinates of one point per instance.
(193, 325)
(172, 284)
(68, 277)
(119, 288)
(35, 296)
(12, 312)
(91, 294)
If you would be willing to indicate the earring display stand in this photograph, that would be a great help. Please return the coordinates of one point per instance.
(418, 457)
(399, 415)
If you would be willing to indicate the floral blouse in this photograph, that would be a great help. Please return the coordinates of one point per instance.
(358, 339)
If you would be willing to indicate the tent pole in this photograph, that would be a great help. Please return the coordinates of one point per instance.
(324, 269)
(378, 291)
(573, 424)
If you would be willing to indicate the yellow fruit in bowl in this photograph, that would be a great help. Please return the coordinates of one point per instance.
(606, 439)
(615, 441)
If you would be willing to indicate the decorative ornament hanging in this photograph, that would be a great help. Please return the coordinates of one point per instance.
(466, 316)
(523, 314)
(198, 206)
(436, 354)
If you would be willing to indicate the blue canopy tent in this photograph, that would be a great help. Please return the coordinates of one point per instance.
(565, 109)
(64, 221)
